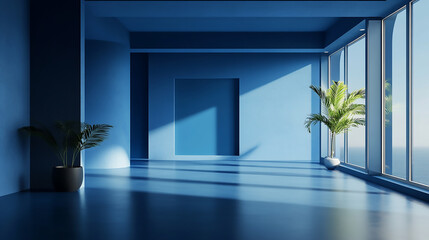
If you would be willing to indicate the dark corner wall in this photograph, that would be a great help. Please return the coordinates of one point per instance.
(14, 95)
(55, 61)
(139, 106)
(107, 89)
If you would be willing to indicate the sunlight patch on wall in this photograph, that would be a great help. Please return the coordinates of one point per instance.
(276, 122)
(112, 157)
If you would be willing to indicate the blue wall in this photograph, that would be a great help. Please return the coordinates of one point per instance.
(139, 106)
(274, 100)
(206, 116)
(107, 90)
(14, 96)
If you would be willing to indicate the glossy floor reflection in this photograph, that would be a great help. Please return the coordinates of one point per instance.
(216, 200)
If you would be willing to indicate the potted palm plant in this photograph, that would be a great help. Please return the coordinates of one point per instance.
(339, 113)
(69, 139)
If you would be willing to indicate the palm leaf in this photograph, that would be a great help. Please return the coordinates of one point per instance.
(74, 136)
(70, 131)
(354, 96)
(315, 118)
(93, 135)
(339, 111)
(42, 133)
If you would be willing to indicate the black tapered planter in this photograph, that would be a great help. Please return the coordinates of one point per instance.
(67, 179)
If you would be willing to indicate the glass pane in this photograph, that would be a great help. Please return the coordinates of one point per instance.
(395, 94)
(339, 147)
(324, 141)
(420, 141)
(337, 74)
(356, 80)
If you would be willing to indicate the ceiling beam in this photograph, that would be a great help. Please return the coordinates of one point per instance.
(227, 40)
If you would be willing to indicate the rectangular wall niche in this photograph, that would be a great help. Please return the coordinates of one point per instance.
(207, 116)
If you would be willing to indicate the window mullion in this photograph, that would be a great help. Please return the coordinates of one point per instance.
(409, 93)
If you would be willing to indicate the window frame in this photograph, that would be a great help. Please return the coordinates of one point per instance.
(383, 95)
(343, 48)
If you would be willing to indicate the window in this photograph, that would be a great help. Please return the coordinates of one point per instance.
(356, 75)
(420, 96)
(395, 93)
(405, 84)
(336, 73)
(353, 59)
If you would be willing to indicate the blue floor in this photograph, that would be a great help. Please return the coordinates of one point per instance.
(216, 200)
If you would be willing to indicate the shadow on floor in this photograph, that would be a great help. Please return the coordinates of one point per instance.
(152, 179)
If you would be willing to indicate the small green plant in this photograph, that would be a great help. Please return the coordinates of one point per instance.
(339, 110)
(70, 138)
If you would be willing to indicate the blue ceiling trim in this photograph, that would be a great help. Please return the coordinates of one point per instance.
(227, 40)
(226, 0)
(220, 50)
(245, 24)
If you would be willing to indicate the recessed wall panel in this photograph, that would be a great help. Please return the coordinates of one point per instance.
(206, 116)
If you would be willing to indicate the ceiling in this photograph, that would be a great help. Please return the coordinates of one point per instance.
(332, 19)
